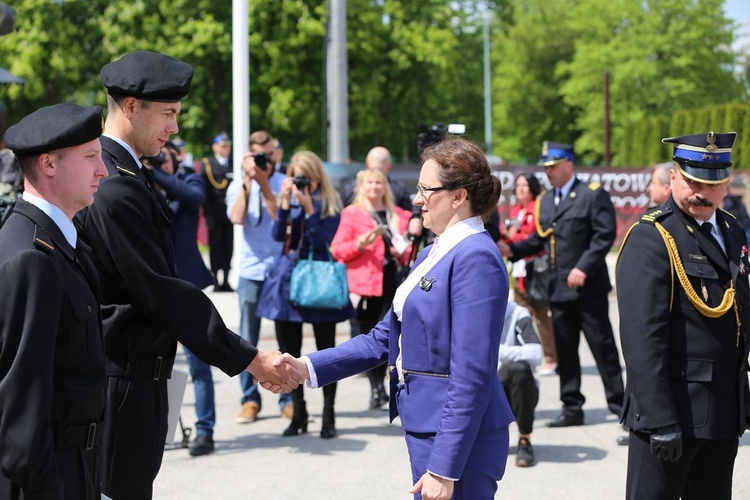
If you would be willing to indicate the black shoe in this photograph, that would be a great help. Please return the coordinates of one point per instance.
(564, 420)
(226, 288)
(299, 420)
(379, 398)
(328, 432)
(623, 440)
(328, 429)
(203, 445)
(295, 429)
(525, 454)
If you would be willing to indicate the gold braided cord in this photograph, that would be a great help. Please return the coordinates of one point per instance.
(211, 178)
(548, 232)
(674, 259)
(671, 265)
(537, 208)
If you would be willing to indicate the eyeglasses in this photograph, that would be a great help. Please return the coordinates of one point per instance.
(422, 191)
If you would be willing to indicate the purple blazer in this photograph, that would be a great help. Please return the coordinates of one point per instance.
(451, 336)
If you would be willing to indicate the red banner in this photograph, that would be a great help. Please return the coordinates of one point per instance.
(628, 189)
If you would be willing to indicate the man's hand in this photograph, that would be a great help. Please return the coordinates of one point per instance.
(504, 248)
(576, 278)
(252, 170)
(433, 487)
(276, 379)
(666, 442)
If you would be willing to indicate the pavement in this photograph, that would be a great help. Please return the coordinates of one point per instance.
(368, 459)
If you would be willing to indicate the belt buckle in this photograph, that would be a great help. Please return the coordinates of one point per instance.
(157, 367)
(91, 436)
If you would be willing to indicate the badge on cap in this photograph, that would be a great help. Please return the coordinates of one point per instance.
(706, 157)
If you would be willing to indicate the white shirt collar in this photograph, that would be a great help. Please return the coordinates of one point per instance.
(567, 187)
(443, 244)
(58, 217)
(127, 148)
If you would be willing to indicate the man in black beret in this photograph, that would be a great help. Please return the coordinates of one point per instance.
(52, 372)
(682, 289)
(146, 308)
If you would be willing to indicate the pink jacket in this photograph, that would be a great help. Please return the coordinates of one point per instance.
(364, 269)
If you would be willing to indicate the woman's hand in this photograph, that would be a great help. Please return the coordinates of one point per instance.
(366, 239)
(304, 199)
(433, 487)
(286, 193)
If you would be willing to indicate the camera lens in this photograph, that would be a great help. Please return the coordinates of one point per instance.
(301, 182)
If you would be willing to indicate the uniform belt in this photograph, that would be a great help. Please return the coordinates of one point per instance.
(154, 368)
(79, 435)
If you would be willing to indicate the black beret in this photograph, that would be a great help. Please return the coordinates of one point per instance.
(54, 127)
(148, 76)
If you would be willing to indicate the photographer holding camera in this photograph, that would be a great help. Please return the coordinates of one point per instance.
(251, 203)
(309, 212)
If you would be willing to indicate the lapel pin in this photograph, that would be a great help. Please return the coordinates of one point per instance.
(426, 283)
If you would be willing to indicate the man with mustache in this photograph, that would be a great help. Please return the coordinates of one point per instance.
(682, 289)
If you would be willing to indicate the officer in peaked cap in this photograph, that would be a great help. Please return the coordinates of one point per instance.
(576, 227)
(52, 371)
(147, 309)
(682, 289)
(217, 174)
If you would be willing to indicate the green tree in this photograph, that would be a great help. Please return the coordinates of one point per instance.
(528, 107)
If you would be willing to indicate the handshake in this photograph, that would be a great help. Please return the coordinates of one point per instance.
(278, 372)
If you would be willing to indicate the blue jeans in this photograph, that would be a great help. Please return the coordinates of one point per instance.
(203, 383)
(248, 292)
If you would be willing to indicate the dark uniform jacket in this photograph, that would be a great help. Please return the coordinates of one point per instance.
(51, 357)
(683, 367)
(217, 178)
(583, 229)
(144, 305)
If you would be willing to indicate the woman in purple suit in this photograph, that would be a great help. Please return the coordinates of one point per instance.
(441, 336)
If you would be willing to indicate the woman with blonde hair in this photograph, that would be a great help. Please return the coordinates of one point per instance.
(370, 242)
(307, 218)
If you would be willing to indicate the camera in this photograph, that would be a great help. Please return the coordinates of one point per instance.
(158, 160)
(261, 161)
(301, 182)
(436, 133)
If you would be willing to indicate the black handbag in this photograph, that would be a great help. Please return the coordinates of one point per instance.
(537, 281)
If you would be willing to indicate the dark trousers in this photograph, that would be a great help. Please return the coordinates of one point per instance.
(523, 394)
(703, 472)
(221, 241)
(289, 336)
(134, 436)
(78, 470)
(592, 316)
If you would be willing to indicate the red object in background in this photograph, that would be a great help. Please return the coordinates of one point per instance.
(628, 189)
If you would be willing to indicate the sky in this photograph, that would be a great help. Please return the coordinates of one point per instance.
(739, 10)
